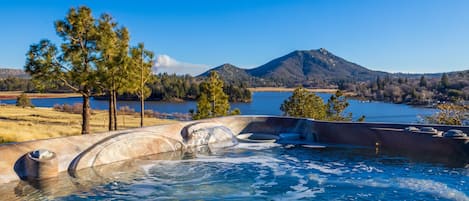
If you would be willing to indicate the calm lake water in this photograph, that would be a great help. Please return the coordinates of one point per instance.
(264, 103)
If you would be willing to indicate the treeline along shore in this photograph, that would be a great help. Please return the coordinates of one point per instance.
(423, 90)
(315, 70)
(177, 88)
(163, 87)
(413, 90)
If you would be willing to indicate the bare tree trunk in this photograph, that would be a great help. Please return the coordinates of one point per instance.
(142, 111)
(114, 97)
(86, 114)
(111, 111)
(142, 95)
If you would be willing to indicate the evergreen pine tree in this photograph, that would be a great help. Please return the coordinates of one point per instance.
(73, 65)
(336, 106)
(423, 82)
(213, 101)
(307, 104)
(112, 62)
(203, 108)
(304, 104)
(141, 73)
(444, 82)
(217, 98)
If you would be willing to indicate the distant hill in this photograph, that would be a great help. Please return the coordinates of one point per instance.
(304, 65)
(300, 67)
(229, 72)
(11, 72)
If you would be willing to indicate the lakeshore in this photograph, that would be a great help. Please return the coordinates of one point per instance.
(7, 95)
(263, 103)
(284, 89)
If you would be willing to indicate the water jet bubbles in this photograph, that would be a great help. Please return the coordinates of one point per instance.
(437, 189)
(319, 179)
(272, 172)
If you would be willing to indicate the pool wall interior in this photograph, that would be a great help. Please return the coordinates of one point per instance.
(69, 155)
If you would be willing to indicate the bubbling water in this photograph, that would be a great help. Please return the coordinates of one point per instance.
(216, 136)
(275, 172)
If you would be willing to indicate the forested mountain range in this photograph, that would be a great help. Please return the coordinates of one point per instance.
(310, 68)
(322, 69)
(11, 72)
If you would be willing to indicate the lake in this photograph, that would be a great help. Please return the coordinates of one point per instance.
(263, 103)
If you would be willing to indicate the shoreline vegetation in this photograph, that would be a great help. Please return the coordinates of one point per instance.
(285, 89)
(424, 91)
(20, 124)
(314, 90)
(9, 95)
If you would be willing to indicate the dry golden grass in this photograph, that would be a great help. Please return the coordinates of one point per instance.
(22, 124)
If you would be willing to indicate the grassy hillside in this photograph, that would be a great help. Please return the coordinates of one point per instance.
(22, 124)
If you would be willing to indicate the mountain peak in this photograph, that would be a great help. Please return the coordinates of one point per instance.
(300, 67)
(226, 65)
(228, 72)
(323, 51)
(316, 64)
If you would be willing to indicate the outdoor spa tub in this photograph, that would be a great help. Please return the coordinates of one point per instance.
(243, 158)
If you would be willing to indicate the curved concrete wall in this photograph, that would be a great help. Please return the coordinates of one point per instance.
(79, 152)
(70, 149)
(391, 137)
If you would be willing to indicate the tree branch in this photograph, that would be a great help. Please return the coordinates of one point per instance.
(70, 86)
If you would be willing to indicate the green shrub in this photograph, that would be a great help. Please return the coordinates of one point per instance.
(76, 108)
(450, 114)
(23, 101)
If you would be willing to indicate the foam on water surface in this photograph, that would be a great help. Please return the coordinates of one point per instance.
(437, 189)
(268, 171)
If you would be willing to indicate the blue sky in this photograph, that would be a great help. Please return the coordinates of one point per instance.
(191, 36)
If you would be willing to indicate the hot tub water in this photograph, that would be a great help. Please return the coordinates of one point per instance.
(267, 171)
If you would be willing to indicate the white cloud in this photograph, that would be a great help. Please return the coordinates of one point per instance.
(165, 63)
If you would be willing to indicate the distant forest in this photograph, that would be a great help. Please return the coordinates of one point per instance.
(413, 90)
(177, 88)
(307, 68)
(16, 84)
(451, 87)
(164, 87)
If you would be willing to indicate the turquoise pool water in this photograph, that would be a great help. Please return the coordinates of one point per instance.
(259, 172)
(275, 172)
